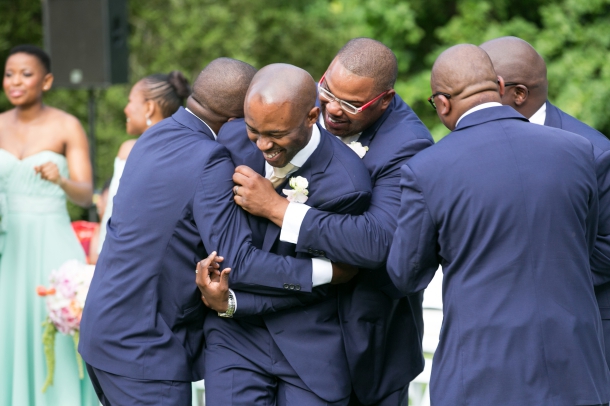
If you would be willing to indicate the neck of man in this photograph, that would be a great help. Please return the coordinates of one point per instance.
(212, 119)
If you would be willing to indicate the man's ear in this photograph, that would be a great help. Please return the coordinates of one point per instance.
(312, 116)
(443, 105)
(387, 99)
(501, 88)
(521, 94)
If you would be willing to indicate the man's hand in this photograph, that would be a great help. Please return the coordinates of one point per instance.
(214, 285)
(342, 273)
(257, 196)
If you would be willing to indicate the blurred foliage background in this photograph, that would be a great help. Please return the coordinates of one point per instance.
(572, 36)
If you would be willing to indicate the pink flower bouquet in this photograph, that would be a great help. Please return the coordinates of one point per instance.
(65, 299)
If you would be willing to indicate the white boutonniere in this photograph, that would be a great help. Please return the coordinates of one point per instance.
(358, 148)
(299, 191)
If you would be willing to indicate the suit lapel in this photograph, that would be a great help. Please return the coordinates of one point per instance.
(553, 118)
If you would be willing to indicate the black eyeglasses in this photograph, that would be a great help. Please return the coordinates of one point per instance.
(431, 98)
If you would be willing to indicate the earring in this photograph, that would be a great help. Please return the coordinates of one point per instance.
(148, 122)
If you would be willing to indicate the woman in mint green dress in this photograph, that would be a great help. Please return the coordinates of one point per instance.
(43, 158)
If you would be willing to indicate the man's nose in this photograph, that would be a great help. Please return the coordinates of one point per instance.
(263, 143)
(334, 108)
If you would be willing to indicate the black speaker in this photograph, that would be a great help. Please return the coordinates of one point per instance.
(87, 42)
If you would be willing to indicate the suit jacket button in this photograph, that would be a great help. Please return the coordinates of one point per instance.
(310, 250)
(291, 287)
(321, 253)
(297, 287)
(286, 286)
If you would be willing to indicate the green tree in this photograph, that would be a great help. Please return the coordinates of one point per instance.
(187, 34)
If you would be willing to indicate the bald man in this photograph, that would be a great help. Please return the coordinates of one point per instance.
(142, 326)
(295, 356)
(525, 71)
(381, 331)
(509, 209)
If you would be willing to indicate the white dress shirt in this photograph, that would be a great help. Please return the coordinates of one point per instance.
(477, 108)
(539, 117)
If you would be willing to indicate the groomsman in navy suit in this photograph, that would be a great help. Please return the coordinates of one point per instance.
(525, 72)
(382, 332)
(510, 210)
(142, 327)
(294, 356)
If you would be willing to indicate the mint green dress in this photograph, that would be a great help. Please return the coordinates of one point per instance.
(35, 238)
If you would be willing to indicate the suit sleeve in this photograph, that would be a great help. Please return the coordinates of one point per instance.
(600, 258)
(249, 304)
(413, 258)
(370, 234)
(223, 228)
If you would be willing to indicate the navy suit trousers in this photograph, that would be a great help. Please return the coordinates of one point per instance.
(116, 390)
(252, 370)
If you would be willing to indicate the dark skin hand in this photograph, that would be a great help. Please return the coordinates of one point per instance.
(342, 273)
(256, 195)
(213, 284)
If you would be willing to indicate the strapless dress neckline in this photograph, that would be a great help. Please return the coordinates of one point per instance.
(30, 156)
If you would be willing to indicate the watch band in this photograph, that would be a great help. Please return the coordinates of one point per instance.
(232, 306)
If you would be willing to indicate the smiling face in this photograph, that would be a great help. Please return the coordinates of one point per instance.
(25, 79)
(357, 91)
(136, 110)
(279, 130)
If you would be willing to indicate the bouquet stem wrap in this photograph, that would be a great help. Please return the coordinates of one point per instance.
(48, 341)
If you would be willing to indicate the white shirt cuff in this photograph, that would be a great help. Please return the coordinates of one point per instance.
(322, 271)
(293, 218)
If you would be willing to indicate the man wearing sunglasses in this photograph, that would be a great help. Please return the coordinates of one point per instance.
(516, 60)
(382, 333)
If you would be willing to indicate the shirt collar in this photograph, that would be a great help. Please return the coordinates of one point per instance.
(303, 155)
(213, 133)
(477, 108)
(539, 117)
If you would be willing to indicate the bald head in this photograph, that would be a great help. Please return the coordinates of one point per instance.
(466, 73)
(369, 58)
(516, 61)
(222, 85)
(280, 112)
(283, 84)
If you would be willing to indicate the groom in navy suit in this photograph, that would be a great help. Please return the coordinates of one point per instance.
(522, 67)
(510, 210)
(142, 326)
(294, 356)
(381, 331)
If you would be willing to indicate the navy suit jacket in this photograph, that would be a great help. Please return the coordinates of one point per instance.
(143, 315)
(510, 211)
(382, 333)
(601, 257)
(309, 336)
